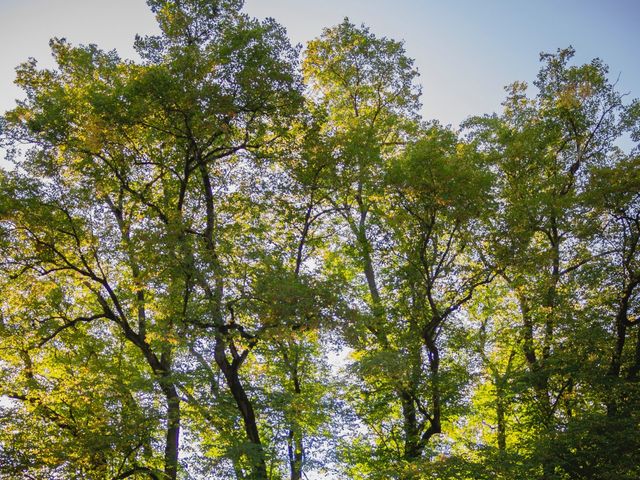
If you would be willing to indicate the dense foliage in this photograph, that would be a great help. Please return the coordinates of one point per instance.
(232, 259)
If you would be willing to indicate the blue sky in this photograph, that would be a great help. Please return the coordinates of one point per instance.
(466, 50)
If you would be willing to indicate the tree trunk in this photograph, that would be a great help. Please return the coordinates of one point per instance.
(540, 377)
(230, 372)
(433, 355)
(616, 358)
(294, 443)
(635, 368)
(294, 446)
(500, 414)
(412, 447)
(173, 432)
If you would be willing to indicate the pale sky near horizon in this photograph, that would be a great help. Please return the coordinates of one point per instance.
(465, 50)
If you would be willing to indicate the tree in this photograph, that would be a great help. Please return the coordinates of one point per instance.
(441, 197)
(547, 236)
(130, 207)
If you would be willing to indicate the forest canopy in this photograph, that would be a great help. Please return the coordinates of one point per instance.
(239, 259)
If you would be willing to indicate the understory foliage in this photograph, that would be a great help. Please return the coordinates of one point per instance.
(235, 259)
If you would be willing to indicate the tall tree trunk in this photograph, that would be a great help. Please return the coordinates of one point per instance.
(412, 445)
(230, 372)
(173, 432)
(295, 446)
(433, 354)
(540, 377)
(295, 452)
(616, 363)
(615, 366)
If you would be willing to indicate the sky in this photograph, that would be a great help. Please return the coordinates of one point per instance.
(466, 50)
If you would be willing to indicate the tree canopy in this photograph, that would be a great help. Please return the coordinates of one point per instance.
(235, 258)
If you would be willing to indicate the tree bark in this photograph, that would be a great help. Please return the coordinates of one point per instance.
(412, 446)
(295, 452)
(615, 366)
(173, 432)
(294, 446)
(230, 372)
(433, 355)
